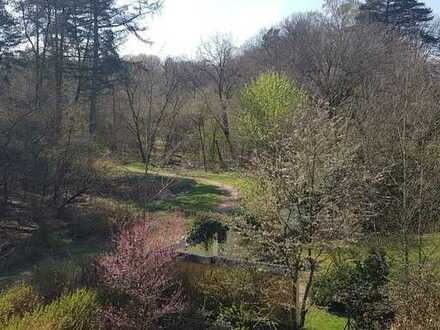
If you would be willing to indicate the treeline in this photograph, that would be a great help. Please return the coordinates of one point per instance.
(68, 98)
(66, 89)
(58, 61)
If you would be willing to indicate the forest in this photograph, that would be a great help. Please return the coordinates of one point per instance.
(292, 182)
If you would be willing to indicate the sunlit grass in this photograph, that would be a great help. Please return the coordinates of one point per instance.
(201, 198)
(319, 319)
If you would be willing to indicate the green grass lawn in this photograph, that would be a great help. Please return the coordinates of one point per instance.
(201, 197)
(319, 319)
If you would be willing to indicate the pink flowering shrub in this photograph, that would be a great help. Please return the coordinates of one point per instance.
(141, 275)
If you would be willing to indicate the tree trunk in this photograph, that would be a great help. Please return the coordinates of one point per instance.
(59, 75)
(202, 145)
(94, 78)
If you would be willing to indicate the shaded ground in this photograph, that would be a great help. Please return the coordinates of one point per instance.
(84, 229)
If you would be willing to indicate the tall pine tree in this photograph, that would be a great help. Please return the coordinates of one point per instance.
(9, 35)
(408, 16)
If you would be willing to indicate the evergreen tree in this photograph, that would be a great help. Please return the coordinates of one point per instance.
(109, 24)
(375, 11)
(408, 16)
(366, 295)
(9, 36)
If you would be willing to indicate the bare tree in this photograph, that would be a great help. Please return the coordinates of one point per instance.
(218, 63)
(154, 97)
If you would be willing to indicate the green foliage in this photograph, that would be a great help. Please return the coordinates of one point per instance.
(365, 295)
(205, 228)
(265, 102)
(16, 302)
(73, 311)
(359, 290)
(53, 279)
(328, 286)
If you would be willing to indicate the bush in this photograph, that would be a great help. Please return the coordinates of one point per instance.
(205, 228)
(232, 297)
(417, 299)
(54, 279)
(16, 302)
(360, 290)
(73, 311)
(366, 295)
(329, 285)
(140, 277)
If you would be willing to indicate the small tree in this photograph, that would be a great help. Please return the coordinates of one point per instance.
(141, 276)
(311, 199)
(265, 103)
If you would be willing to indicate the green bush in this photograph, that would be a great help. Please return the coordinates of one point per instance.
(73, 311)
(53, 279)
(359, 290)
(16, 302)
(329, 285)
(205, 228)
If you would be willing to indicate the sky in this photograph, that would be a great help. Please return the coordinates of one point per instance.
(182, 24)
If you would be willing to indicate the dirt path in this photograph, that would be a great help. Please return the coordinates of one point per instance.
(230, 199)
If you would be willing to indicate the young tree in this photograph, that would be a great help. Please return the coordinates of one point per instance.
(311, 198)
(266, 103)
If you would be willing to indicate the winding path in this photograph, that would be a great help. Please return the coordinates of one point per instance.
(230, 198)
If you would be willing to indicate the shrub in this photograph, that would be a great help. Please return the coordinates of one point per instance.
(205, 228)
(366, 295)
(53, 279)
(360, 290)
(417, 300)
(16, 302)
(140, 277)
(73, 311)
(329, 285)
(234, 296)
